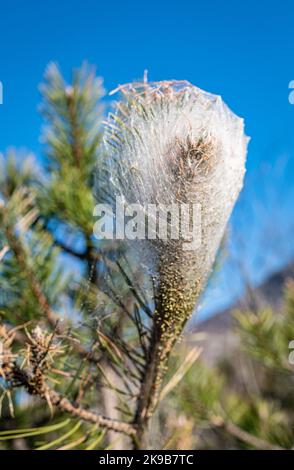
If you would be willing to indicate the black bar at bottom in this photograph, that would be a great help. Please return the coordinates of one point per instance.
(138, 459)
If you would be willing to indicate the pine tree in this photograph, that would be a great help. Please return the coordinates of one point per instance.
(246, 401)
(52, 309)
(79, 318)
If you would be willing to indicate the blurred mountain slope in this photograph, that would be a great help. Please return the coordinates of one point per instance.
(220, 340)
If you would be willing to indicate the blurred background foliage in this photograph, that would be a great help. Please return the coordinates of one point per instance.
(244, 401)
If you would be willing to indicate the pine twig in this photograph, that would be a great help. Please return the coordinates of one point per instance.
(244, 436)
(40, 356)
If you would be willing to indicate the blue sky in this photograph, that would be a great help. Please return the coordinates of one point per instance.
(244, 52)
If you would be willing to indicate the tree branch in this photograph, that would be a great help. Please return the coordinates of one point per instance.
(41, 357)
(244, 436)
(114, 425)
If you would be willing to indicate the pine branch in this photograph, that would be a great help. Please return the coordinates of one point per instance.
(41, 354)
(15, 244)
(151, 158)
(92, 417)
(244, 436)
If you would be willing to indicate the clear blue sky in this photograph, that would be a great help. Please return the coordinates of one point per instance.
(242, 51)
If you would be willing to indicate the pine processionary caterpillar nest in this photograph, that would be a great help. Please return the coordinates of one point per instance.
(170, 143)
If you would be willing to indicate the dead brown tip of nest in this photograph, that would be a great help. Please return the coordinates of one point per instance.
(190, 157)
